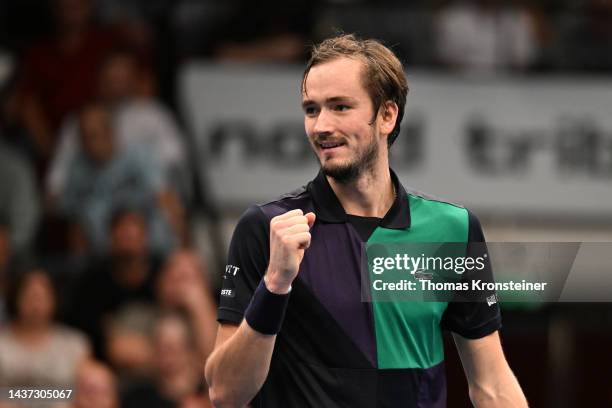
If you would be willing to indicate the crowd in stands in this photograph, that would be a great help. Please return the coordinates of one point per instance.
(101, 289)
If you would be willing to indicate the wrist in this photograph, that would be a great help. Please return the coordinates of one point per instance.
(266, 311)
(275, 285)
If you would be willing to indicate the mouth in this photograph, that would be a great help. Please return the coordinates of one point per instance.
(329, 146)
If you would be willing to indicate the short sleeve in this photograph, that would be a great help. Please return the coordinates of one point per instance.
(474, 318)
(246, 264)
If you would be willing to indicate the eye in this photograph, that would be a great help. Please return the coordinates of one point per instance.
(341, 108)
(310, 110)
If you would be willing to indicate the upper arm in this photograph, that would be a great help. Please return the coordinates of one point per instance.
(247, 262)
(480, 357)
(474, 321)
(474, 314)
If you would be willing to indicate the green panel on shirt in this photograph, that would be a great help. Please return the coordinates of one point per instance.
(408, 334)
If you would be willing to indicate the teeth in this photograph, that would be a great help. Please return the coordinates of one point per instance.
(329, 145)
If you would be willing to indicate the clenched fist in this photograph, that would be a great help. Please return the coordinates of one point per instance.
(289, 238)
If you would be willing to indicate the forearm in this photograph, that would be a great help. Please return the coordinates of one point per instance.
(491, 381)
(504, 392)
(237, 369)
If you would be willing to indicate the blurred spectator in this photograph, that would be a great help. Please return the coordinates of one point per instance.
(34, 351)
(183, 286)
(95, 386)
(19, 214)
(484, 35)
(19, 200)
(127, 275)
(178, 372)
(102, 178)
(139, 123)
(120, 78)
(128, 340)
(58, 73)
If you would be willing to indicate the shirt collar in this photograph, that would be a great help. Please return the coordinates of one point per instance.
(328, 208)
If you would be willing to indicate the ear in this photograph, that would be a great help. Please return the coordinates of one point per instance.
(388, 115)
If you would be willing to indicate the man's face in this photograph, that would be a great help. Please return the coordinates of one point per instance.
(97, 134)
(338, 116)
(129, 235)
(118, 78)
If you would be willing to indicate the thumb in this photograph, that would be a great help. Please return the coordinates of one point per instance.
(311, 219)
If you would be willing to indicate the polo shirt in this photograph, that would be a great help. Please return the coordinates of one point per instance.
(335, 350)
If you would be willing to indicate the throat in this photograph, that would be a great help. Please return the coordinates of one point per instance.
(365, 199)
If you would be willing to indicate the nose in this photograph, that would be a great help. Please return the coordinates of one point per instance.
(323, 123)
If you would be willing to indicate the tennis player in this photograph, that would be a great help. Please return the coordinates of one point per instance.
(294, 331)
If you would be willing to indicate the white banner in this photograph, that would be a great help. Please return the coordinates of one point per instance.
(537, 145)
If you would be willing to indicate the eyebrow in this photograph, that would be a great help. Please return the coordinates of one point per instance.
(334, 99)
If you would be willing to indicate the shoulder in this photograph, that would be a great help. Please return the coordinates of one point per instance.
(68, 343)
(254, 223)
(441, 207)
(297, 199)
(444, 212)
(70, 336)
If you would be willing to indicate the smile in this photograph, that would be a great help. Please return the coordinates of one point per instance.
(329, 145)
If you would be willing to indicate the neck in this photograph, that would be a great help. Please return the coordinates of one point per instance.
(30, 333)
(370, 195)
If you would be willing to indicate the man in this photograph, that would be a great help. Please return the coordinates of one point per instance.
(295, 263)
(103, 177)
(140, 123)
(122, 278)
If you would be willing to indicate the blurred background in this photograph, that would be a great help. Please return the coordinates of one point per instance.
(134, 133)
